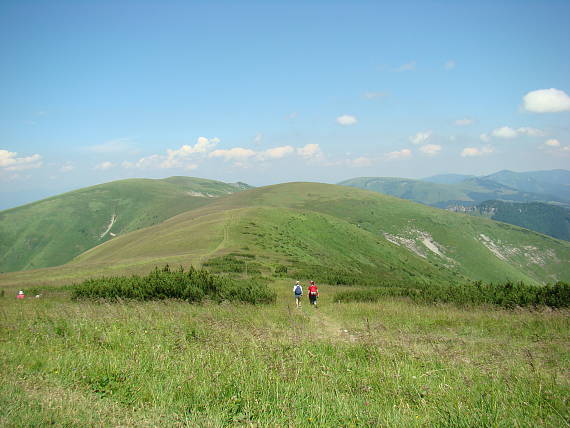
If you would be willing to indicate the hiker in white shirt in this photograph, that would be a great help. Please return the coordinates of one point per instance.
(298, 292)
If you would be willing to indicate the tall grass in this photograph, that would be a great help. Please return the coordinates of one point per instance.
(167, 363)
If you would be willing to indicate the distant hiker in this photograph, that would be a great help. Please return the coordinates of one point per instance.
(20, 295)
(298, 292)
(313, 293)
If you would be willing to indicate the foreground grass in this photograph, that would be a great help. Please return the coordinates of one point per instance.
(389, 363)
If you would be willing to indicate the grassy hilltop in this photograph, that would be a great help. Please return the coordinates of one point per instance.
(327, 230)
(52, 231)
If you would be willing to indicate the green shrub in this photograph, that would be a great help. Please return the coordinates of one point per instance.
(193, 286)
(508, 294)
(234, 263)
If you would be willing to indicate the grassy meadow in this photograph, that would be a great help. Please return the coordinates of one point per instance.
(389, 363)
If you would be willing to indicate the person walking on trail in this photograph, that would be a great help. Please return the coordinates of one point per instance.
(298, 292)
(313, 293)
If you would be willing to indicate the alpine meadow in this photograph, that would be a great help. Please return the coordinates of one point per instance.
(285, 214)
(400, 330)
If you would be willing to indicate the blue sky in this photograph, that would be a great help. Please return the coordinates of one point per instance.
(276, 91)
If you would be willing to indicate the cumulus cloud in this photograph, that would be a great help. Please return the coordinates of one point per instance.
(346, 120)
(421, 137)
(67, 167)
(504, 132)
(310, 151)
(509, 133)
(552, 143)
(449, 65)
(179, 157)
(475, 151)
(235, 154)
(546, 101)
(430, 149)
(554, 147)
(104, 166)
(531, 132)
(463, 122)
(485, 138)
(9, 161)
(276, 153)
(401, 154)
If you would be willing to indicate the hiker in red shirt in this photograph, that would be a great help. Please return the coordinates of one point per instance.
(313, 293)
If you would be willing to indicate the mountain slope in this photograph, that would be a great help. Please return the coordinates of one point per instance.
(311, 226)
(549, 219)
(53, 231)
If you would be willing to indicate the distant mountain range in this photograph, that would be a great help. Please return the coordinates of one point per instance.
(547, 191)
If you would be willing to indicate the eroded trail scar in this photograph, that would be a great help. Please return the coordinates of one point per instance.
(113, 220)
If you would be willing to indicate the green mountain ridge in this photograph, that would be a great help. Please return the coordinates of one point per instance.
(467, 192)
(312, 228)
(52, 231)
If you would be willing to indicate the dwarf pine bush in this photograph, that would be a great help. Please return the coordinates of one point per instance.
(508, 294)
(192, 285)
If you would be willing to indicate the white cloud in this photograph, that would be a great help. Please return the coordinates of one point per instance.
(401, 154)
(67, 167)
(554, 147)
(235, 154)
(310, 151)
(104, 166)
(547, 101)
(552, 143)
(504, 132)
(430, 149)
(346, 120)
(152, 161)
(9, 161)
(407, 67)
(421, 137)
(276, 153)
(463, 122)
(485, 138)
(531, 132)
(474, 151)
(449, 65)
(179, 157)
(509, 133)
(372, 95)
(258, 138)
(292, 115)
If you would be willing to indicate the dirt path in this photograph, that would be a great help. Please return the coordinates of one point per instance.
(233, 219)
(327, 327)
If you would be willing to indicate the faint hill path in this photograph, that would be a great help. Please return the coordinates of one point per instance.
(232, 220)
(325, 327)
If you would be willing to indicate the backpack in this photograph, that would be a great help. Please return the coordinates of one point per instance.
(298, 290)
